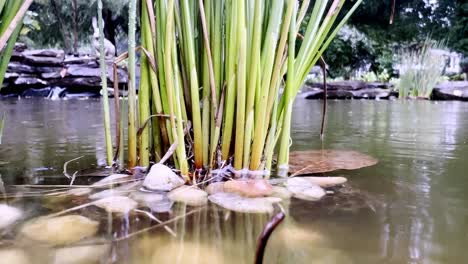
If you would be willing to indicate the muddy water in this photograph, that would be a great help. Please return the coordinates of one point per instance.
(409, 208)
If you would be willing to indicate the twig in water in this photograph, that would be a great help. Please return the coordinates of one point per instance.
(323, 64)
(156, 226)
(73, 178)
(65, 167)
(97, 186)
(266, 233)
(152, 217)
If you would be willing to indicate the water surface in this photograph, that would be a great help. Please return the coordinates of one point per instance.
(412, 207)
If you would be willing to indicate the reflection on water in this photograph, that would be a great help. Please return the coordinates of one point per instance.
(410, 208)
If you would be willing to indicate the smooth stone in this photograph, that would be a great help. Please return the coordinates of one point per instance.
(235, 202)
(190, 195)
(9, 215)
(82, 254)
(60, 230)
(79, 191)
(305, 190)
(249, 188)
(326, 182)
(112, 179)
(13, 256)
(281, 192)
(116, 204)
(215, 187)
(146, 198)
(162, 178)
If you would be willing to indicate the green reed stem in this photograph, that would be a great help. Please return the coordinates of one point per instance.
(283, 157)
(194, 84)
(105, 97)
(132, 115)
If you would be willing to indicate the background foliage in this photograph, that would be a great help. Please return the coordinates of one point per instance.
(368, 39)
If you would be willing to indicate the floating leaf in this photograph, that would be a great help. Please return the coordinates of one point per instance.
(318, 161)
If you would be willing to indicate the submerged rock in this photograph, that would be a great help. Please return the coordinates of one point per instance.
(157, 202)
(117, 204)
(162, 178)
(14, 256)
(60, 230)
(326, 182)
(249, 188)
(112, 179)
(189, 195)
(146, 197)
(9, 215)
(79, 191)
(164, 206)
(305, 190)
(281, 192)
(215, 187)
(82, 254)
(235, 202)
(118, 191)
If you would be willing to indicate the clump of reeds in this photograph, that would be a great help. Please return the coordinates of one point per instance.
(421, 69)
(219, 78)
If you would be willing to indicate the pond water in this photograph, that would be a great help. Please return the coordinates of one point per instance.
(412, 207)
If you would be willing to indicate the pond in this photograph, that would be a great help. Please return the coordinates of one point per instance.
(412, 207)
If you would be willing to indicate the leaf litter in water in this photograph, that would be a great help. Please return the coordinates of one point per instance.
(319, 161)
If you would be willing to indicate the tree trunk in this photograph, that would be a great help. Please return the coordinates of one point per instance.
(75, 26)
(110, 26)
(57, 14)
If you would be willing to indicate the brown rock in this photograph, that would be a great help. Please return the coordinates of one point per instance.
(249, 188)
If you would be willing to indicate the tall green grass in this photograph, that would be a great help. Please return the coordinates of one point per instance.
(422, 69)
(219, 79)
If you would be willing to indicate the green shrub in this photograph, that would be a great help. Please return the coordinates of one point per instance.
(420, 69)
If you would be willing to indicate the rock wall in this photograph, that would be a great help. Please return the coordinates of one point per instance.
(349, 90)
(454, 90)
(52, 73)
(451, 91)
(41, 72)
